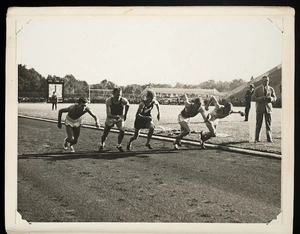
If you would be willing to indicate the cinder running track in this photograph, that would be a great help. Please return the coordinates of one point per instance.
(160, 185)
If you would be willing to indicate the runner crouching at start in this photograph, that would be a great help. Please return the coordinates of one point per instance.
(73, 121)
(211, 119)
(191, 109)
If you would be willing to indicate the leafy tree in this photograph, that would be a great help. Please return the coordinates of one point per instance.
(236, 83)
(222, 86)
(69, 84)
(179, 85)
(30, 80)
(137, 92)
(104, 84)
(210, 84)
(129, 89)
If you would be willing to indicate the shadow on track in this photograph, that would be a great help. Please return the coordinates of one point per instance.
(233, 143)
(106, 155)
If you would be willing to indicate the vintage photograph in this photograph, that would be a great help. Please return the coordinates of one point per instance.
(146, 118)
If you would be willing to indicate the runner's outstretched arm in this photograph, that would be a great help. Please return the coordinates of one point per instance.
(126, 111)
(95, 117)
(158, 111)
(186, 99)
(237, 112)
(59, 116)
(212, 100)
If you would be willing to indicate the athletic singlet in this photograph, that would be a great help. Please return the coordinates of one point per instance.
(75, 112)
(116, 108)
(146, 110)
(192, 111)
(219, 113)
(222, 112)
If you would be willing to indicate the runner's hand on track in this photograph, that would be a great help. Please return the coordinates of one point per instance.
(59, 125)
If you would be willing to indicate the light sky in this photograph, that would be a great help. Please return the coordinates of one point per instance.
(140, 50)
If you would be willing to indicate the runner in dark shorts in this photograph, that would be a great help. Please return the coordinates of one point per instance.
(143, 118)
(116, 114)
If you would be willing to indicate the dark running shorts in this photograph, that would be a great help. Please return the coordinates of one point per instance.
(140, 123)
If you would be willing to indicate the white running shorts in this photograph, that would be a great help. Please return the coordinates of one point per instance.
(182, 119)
(73, 122)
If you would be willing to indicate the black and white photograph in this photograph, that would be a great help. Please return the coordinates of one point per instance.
(150, 119)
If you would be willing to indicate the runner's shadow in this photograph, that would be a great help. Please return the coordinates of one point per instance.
(233, 143)
(106, 155)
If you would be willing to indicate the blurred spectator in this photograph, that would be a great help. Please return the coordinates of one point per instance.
(248, 96)
(54, 100)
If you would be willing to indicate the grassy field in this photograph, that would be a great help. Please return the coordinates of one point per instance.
(237, 131)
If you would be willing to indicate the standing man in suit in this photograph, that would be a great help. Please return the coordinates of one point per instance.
(264, 95)
(248, 96)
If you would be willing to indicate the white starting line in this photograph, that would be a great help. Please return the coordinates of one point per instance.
(171, 139)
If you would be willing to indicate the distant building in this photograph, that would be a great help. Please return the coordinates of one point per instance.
(173, 95)
(177, 92)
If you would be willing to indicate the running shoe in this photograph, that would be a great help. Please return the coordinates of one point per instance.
(201, 136)
(129, 146)
(100, 148)
(176, 145)
(119, 147)
(149, 146)
(201, 140)
(66, 144)
(178, 142)
(72, 150)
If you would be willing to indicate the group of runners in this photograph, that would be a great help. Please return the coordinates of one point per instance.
(116, 114)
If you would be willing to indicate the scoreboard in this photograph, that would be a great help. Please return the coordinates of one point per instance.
(57, 86)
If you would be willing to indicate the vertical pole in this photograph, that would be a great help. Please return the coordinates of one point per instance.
(63, 91)
(89, 93)
(47, 97)
(252, 122)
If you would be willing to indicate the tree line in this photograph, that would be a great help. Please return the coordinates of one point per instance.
(31, 84)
